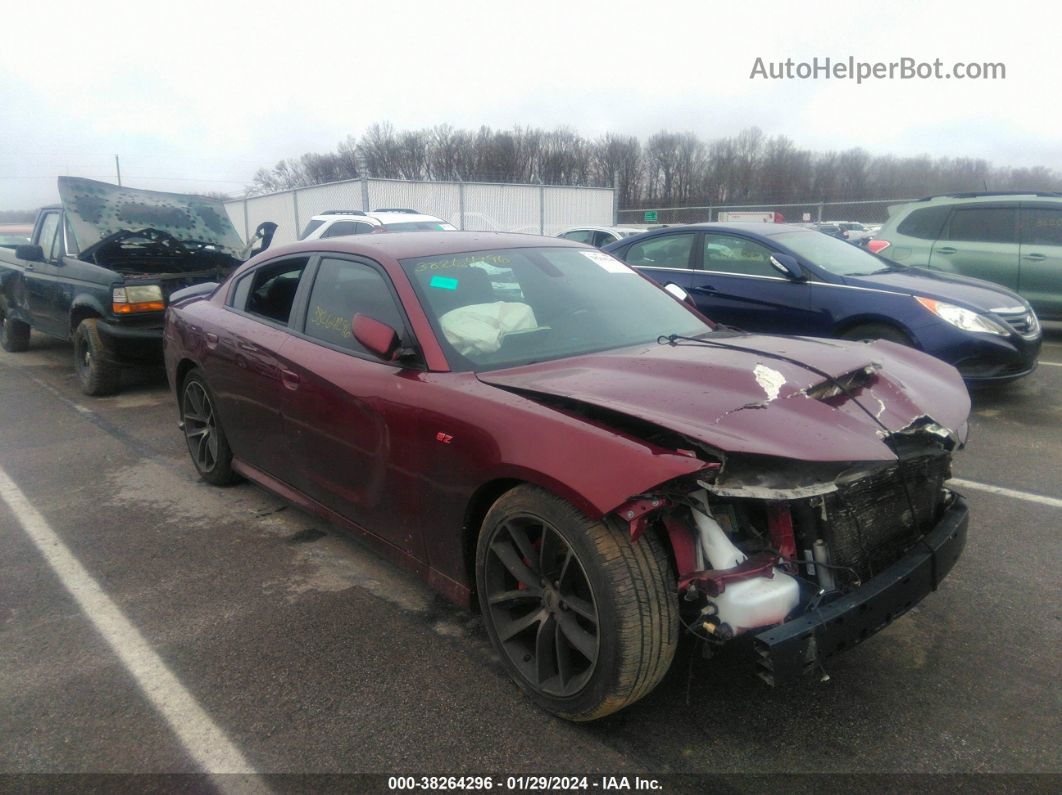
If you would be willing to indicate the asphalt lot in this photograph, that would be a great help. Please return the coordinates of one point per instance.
(311, 655)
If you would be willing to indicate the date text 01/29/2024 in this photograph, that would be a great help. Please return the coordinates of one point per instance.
(523, 783)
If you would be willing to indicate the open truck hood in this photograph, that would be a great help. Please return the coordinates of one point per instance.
(98, 210)
(747, 402)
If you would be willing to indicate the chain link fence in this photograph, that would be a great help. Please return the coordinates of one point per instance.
(494, 207)
(874, 211)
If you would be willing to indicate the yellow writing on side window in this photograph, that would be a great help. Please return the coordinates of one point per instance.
(322, 318)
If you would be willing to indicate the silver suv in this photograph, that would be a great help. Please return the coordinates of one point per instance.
(1012, 239)
(336, 223)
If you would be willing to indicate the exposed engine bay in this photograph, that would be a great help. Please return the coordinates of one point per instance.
(152, 252)
(746, 563)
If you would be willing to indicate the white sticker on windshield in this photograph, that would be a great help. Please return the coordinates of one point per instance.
(606, 261)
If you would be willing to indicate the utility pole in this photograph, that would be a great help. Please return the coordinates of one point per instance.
(118, 169)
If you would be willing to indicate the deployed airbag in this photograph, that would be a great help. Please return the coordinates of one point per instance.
(480, 328)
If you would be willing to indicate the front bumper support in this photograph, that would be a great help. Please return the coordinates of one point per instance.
(789, 650)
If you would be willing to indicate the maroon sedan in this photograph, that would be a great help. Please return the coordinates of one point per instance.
(537, 430)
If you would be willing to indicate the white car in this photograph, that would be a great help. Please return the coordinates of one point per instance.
(335, 223)
(599, 235)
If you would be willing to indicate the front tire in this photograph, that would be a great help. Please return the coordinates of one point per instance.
(207, 443)
(583, 619)
(97, 372)
(14, 334)
(877, 331)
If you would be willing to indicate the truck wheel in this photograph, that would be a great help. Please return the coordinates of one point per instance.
(14, 334)
(585, 621)
(97, 372)
(203, 433)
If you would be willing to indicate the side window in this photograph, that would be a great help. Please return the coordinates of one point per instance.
(984, 225)
(579, 235)
(925, 223)
(310, 227)
(341, 290)
(48, 237)
(361, 228)
(731, 254)
(603, 239)
(666, 251)
(1041, 226)
(339, 228)
(271, 289)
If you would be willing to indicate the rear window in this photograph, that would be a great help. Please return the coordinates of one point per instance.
(926, 223)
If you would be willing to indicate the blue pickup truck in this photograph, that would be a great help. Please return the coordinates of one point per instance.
(100, 268)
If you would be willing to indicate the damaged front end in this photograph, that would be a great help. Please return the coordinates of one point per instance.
(810, 559)
(820, 513)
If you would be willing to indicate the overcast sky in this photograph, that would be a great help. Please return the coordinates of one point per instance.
(197, 96)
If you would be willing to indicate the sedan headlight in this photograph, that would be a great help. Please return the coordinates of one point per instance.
(965, 319)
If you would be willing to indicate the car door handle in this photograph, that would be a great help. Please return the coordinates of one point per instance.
(291, 379)
(702, 288)
(947, 250)
(246, 346)
(1035, 257)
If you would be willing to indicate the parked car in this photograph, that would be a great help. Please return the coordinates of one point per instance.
(833, 230)
(853, 231)
(12, 235)
(532, 426)
(100, 268)
(598, 235)
(1012, 239)
(336, 223)
(783, 279)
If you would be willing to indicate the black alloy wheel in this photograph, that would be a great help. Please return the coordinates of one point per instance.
(203, 433)
(542, 605)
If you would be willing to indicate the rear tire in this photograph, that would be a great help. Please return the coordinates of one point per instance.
(14, 334)
(584, 620)
(207, 443)
(97, 371)
(877, 331)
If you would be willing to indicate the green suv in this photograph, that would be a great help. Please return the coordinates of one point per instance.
(1013, 239)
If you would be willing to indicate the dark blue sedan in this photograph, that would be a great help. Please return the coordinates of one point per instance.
(782, 279)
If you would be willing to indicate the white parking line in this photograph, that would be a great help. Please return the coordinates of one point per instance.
(200, 736)
(1054, 502)
(1052, 364)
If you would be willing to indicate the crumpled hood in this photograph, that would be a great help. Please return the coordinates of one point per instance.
(97, 210)
(747, 402)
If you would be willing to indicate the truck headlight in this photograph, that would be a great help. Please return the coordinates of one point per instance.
(965, 319)
(137, 298)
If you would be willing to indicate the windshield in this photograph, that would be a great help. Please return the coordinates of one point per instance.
(505, 307)
(831, 254)
(420, 226)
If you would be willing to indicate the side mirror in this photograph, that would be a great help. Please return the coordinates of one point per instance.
(376, 337)
(30, 253)
(678, 292)
(787, 266)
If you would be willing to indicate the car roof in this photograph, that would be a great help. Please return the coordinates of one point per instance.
(620, 229)
(382, 217)
(743, 227)
(401, 245)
